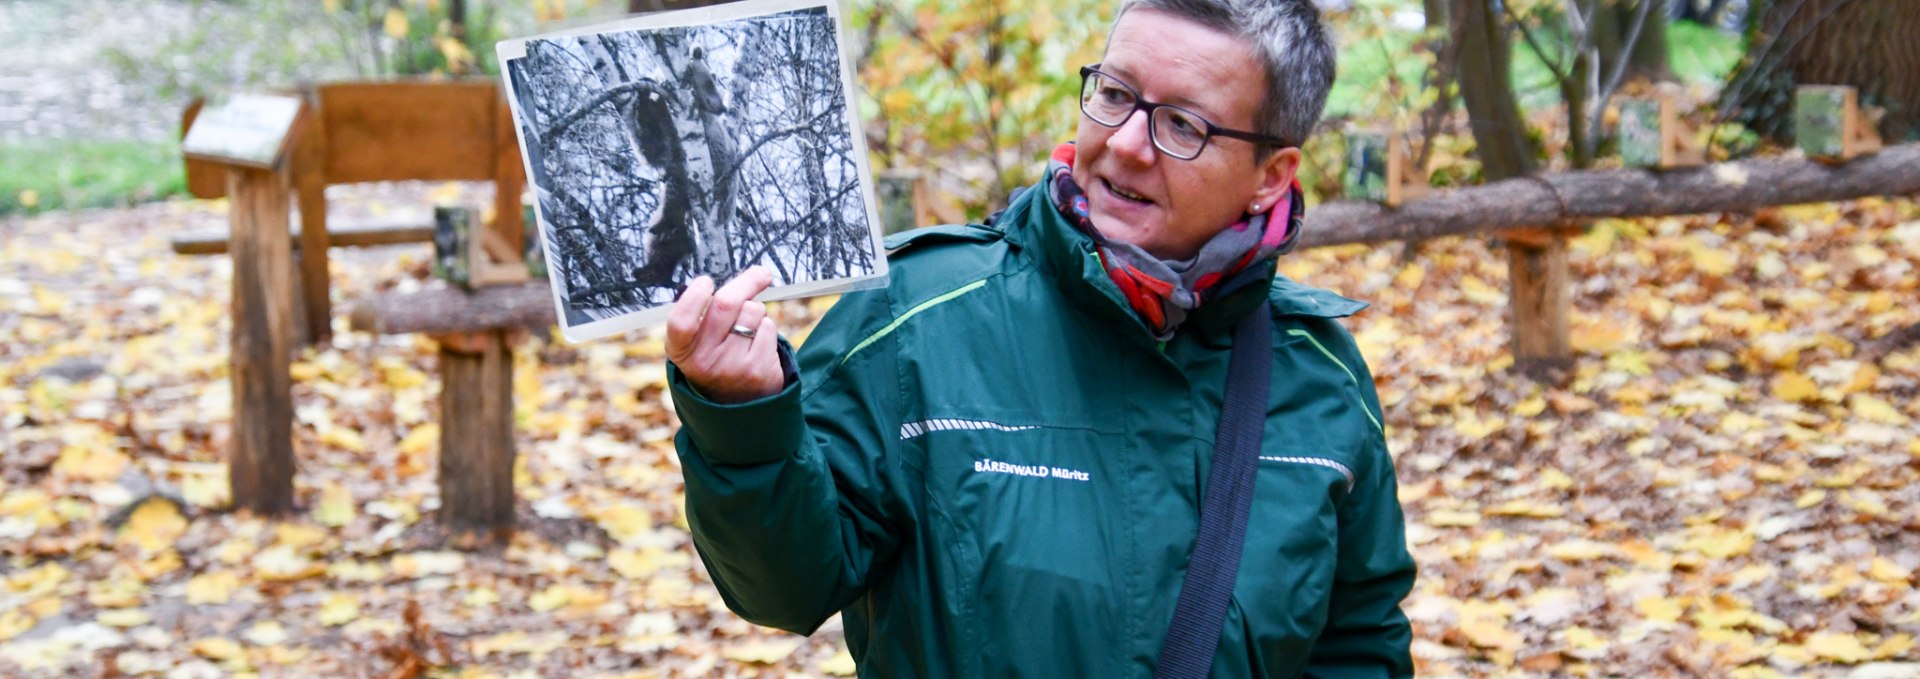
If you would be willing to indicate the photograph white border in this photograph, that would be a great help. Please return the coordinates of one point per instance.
(509, 50)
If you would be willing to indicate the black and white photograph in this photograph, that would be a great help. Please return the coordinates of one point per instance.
(689, 143)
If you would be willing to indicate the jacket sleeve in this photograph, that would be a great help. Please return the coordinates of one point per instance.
(793, 505)
(1366, 634)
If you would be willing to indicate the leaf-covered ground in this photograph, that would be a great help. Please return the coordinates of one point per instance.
(1725, 486)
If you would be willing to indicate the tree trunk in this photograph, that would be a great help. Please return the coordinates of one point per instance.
(1868, 44)
(1487, 87)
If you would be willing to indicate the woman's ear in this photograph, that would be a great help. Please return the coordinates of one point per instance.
(1275, 178)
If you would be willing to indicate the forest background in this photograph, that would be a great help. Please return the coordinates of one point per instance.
(1722, 485)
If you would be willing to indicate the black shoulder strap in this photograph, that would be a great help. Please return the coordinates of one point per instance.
(1224, 507)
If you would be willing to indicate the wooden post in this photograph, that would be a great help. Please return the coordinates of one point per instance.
(260, 460)
(309, 175)
(1540, 293)
(476, 432)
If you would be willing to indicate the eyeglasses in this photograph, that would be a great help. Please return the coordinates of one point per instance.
(1176, 131)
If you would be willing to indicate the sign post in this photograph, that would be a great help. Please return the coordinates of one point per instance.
(248, 134)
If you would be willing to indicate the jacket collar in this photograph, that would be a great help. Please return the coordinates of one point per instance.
(1070, 257)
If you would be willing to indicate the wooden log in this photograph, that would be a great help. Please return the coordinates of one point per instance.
(476, 435)
(260, 459)
(1578, 196)
(445, 309)
(366, 234)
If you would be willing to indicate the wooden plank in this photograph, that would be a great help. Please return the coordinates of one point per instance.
(260, 459)
(509, 181)
(409, 130)
(205, 179)
(476, 436)
(447, 309)
(364, 234)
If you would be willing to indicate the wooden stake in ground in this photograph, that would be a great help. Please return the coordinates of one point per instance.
(260, 462)
(476, 436)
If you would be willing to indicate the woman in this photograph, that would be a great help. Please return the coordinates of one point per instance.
(994, 466)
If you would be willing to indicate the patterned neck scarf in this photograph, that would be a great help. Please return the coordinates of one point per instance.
(1164, 292)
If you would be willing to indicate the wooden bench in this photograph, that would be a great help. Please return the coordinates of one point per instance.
(476, 332)
(387, 131)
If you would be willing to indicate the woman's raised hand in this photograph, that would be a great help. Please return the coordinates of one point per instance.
(723, 341)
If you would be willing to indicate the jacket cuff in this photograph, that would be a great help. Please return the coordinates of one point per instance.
(762, 430)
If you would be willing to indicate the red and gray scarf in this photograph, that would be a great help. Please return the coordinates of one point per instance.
(1164, 292)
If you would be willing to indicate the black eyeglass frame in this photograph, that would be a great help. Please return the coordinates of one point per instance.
(1140, 103)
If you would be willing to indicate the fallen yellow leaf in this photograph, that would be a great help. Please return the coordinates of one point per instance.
(1450, 519)
(216, 648)
(336, 506)
(550, 598)
(340, 608)
(1875, 410)
(1486, 633)
(840, 665)
(154, 525)
(765, 651)
(1810, 498)
(1840, 648)
(1660, 609)
(1793, 386)
(212, 588)
(1885, 570)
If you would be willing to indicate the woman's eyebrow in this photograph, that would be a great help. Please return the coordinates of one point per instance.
(1181, 101)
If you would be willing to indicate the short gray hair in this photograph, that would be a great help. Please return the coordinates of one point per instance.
(1288, 38)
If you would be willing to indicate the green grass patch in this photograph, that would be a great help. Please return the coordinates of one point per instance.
(39, 175)
(1703, 54)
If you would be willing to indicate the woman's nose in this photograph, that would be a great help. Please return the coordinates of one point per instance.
(1134, 141)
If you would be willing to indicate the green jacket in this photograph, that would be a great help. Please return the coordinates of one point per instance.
(993, 470)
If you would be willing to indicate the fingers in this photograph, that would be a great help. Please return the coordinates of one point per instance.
(766, 339)
(723, 311)
(683, 322)
(751, 313)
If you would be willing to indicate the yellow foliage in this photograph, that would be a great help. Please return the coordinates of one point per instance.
(396, 24)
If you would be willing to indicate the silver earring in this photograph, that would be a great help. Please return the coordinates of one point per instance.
(1256, 209)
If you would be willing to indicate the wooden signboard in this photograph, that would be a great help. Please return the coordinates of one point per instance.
(473, 257)
(1652, 135)
(1828, 123)
(245, 130)
(1380, 168)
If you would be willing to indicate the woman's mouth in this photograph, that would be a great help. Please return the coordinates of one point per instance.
(1124, 194)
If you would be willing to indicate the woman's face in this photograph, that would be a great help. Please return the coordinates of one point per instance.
(1167, 206)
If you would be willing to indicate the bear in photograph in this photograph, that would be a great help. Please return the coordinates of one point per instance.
(659, 154)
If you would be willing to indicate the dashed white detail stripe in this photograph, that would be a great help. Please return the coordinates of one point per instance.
(1330, 464)
(912, 429)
